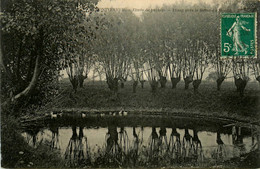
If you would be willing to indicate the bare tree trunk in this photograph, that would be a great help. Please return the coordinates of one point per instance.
(27, 91)
(112, 139)
(241, 85)
(142, 83)
(112, 84)
(74, 82)
(134, 86)
(74, 133)
(81, 79)
(219, 82)
(187, 81)
(122, 81)
(175, 81)
(163, 81)
(122, 85)
(33, 82)
(196, 84)
(154, 85)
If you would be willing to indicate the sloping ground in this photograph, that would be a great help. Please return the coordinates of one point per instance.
(17, 154)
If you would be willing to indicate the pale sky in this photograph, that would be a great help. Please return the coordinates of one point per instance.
(144, 4)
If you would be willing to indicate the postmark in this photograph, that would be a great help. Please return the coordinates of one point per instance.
(238, 35)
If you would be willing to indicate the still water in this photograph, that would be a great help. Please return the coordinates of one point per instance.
(158, 142)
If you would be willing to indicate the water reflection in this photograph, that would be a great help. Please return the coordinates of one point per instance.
(138, 146)
(77, 150)
(55, 143)
(33, 136)
(237, 138)
(175, 146)
(197, 147)
(153, 145)
(221, 150)
(163, 144)
(123, 140)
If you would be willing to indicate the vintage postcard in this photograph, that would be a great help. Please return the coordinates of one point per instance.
(130, 83)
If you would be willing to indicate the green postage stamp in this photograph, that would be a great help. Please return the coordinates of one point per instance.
(238, 35)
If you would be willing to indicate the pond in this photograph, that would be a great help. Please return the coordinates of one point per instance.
(140, 141)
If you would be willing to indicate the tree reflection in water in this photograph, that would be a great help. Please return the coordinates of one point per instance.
(113, 154)
(123, 140)
(237, 139)
(175, 146)
(33, 138)
(77, 151)
(55, 144)
(163, 144)
(187, 146)
(158, 150)
(197, 147)
(135, 151)
(173, 150)
(255, 134)
(135, 148)
(221, 149)
(153, 145)
(136, 139)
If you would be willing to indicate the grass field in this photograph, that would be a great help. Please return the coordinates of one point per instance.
(226, 102)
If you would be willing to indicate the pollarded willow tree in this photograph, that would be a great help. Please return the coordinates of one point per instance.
(111, 46)
(78, 56)
(136, 65)
(195, 62)
(201, 46)
(188, 66)
(188, 47)
(222, 67)
(151, 74)
(172, 48)
(134, 38)
(149, 66)
(201, 61)
(142, 68)
(157, 33)
(175, 65)
(78, 70)
(241, 72)
(161, 67)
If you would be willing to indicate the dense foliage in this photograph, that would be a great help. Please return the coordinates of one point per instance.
(40, 38)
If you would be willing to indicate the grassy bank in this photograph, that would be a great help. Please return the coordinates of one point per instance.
(227, 102)
(16, 153)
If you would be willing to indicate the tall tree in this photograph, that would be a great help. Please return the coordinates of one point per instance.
(78, 52)
(111, 47)
(33, 34)
(241, 72)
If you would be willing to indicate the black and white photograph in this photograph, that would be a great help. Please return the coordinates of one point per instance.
(130, 83)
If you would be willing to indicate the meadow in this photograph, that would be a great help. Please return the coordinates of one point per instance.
(227, 102)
